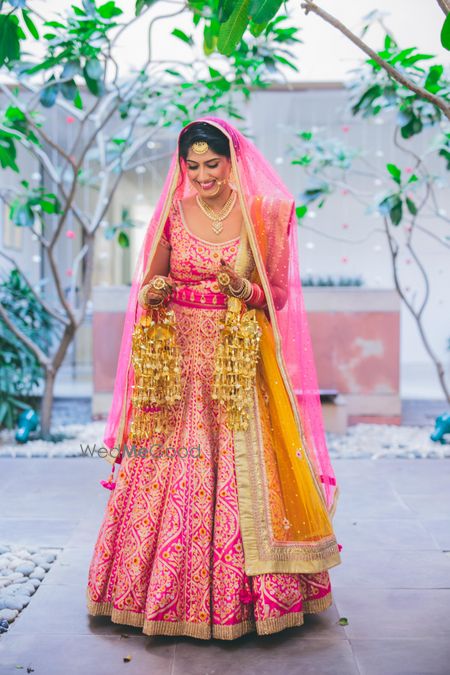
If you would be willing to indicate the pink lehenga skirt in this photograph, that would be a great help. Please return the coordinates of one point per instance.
(169, 555)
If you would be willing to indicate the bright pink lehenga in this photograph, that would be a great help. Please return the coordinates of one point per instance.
(169, 555)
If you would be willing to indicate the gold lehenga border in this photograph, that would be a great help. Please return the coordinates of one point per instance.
(208, 631)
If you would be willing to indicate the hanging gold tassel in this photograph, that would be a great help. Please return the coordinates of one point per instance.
(157, 373)
(235, 365)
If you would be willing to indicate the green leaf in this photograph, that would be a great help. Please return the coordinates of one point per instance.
(30, 24)
(70, 69)
(94, 69)
(9, 39)
(343, 621)
(8, 154)
(108, 10)
(256, 28)
(301, 211)
(262, 11)
(395, 172)
(78, 103)
(412, 208)
(181, 35)
(226, 8)
(285, 62)
(140, 4)
(445, 33)
(48, 94)
(393, 207)
(123, 240)
(54, 24)
(231, 31)
(69, 90)
(432, 82)
(22, 215)
(94, 84)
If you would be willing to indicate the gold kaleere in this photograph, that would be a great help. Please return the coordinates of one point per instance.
(157, 373)
(235, 363)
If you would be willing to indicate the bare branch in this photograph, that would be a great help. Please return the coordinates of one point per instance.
(444, 5)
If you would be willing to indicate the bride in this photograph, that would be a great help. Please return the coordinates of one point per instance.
(219, 517)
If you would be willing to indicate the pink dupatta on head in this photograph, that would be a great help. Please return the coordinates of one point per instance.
(271, 225)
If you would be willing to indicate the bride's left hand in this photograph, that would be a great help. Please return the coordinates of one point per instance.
(235, 279)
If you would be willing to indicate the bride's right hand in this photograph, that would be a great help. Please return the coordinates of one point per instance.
(155, 296)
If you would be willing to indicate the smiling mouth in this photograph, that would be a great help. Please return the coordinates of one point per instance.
(207, 186)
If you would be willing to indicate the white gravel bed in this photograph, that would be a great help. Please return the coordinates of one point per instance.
(86, 434)
(386, 441)
(21, 572)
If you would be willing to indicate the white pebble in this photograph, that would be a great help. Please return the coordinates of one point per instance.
(8, 614)
(38, 573)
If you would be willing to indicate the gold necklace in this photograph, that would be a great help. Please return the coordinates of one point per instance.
(217, 216)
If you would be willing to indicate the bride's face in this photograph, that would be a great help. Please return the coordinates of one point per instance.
(208, 172)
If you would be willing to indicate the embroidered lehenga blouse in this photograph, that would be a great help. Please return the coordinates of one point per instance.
(169, 555)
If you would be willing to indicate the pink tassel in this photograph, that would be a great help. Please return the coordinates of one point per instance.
(340, 547)
(245, 596)
(109, 484)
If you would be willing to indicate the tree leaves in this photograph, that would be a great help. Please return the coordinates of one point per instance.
(261, 11)
(140, 4)
(181, 35)
(233, 29)
(30, 24)
(9, 39)
(48, 94)
(445, 33)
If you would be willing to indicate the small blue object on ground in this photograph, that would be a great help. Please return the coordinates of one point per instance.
(28, 421)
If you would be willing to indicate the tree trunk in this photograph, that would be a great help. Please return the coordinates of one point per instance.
(47, 403)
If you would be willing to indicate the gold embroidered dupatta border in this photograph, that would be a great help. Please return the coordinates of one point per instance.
(265, 456)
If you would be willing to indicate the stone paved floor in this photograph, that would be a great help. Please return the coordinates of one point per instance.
(393, 521)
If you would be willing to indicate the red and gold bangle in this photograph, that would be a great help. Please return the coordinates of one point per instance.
(257, 297)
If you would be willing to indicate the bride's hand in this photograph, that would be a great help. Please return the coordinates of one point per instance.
(235, 279)
(154, 296)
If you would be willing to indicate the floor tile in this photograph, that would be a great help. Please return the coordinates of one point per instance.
(56, 654)
(402, 657)
(394, 613)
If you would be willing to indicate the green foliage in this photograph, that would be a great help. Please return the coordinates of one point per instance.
(374, 90)
(126, 223)
(29, 206)
(76, 48)
(445, 33)
(20, 371)
(235, 16)
(142, 4)
(232, 31)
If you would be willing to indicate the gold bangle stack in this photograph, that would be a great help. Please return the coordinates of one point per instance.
(243, 293)
(157, 283)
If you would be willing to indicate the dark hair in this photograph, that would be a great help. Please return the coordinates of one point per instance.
(202, 131)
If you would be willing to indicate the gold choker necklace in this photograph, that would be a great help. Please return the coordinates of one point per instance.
(217, 216)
